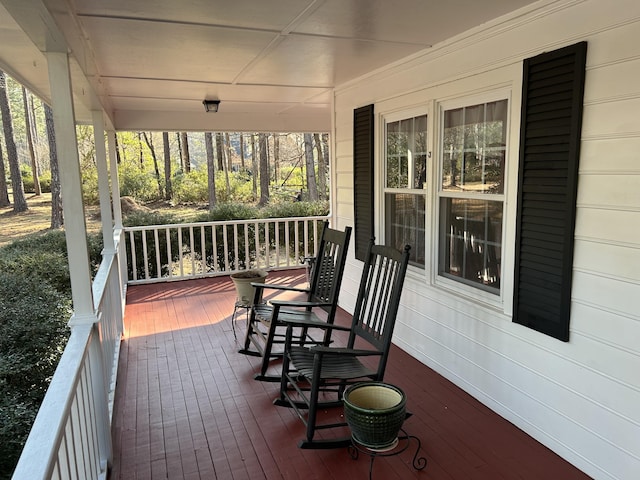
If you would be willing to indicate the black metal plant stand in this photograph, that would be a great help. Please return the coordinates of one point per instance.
(403, 443)
(239, 304)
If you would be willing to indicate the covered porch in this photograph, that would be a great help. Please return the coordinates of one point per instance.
(187, 406)
(172, 402)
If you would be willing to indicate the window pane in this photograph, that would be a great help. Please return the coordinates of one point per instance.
(405, 223)
(474, 146)
(406, 160)
(471, 241)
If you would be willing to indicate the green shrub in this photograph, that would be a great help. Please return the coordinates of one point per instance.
(90, 191)
(229, 211)
(27, 178)
(191, 187)
(33, 333)
(295, 209)
(45, 257)
(45, 182)
(147, 218)
(140, 184)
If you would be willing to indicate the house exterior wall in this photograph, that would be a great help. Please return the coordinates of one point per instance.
(579, 398)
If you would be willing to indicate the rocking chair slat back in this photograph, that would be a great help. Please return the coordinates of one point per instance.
(379, 298)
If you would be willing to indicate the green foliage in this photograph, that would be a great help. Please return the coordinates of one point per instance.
(191, 187)
(138, 183)
(295, 209)
(27, 178)
(33, 332)
(35, 305)
(90, 191)
(45, 256)
(146, 218)
(45, 182)
(229, 211)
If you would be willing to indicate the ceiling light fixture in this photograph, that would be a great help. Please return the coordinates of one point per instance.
(211, 105)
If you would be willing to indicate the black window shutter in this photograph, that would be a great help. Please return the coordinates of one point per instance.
(363, 178)
(552, 100)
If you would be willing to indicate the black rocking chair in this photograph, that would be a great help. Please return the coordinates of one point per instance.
(315, 377)
(265, 328)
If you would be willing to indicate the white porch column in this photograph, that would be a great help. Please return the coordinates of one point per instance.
(103, 182)
(71, 184)
(115, 183)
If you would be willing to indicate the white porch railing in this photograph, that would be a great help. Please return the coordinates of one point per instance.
(160, 253)
(71, 436)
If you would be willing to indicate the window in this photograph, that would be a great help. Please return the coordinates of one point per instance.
(471, 194)
(405, 182)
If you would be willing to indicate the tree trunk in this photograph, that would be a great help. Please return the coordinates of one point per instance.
(310, 167)
(149, 141)
(184, 148)
(57, 218)
(264, 169)
(19, 200)
(4, 192)
(180, 150)
(322, 167)
(167, 166)
(141, 157)
(211, 169)
(32, 152)
(221, 161)
(227, 149)
(276, 159)
(242, 152)
(117, 146)
(254, 167)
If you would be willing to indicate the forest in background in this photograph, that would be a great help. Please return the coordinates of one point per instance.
(201, 169)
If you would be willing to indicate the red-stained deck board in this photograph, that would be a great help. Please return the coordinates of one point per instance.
(187, 406)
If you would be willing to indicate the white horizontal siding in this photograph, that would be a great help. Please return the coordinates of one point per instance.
(580, 398)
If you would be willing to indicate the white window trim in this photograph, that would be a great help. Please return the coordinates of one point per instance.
(450, 285)
(380, 174)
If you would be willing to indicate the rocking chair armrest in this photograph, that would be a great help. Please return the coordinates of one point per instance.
(351, 352)
(299, 303)
(275, 286)
(307, 322)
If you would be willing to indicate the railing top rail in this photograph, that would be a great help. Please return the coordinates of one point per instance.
(227, 222)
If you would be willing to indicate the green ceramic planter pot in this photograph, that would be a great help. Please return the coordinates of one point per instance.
(375, 413)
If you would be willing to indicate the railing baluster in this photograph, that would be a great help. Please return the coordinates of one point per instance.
(246, 246)
(226, 247)
(216, 265)
(192, 251)
(156, 242)
(235, 247)
(180, 254)
(144, 254)
(267, 250)
(203, 250)
(296, 237)
(134, 260)
(286, 243)
(276, 231)
(167, 232)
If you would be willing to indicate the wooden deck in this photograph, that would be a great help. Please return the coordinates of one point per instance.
(187, 406)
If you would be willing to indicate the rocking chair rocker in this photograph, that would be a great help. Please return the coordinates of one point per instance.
(265, 326)
(309, 373)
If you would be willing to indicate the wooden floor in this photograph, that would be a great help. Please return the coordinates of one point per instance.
(187, 407)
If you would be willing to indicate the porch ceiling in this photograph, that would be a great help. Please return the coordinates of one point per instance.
(150, 63)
